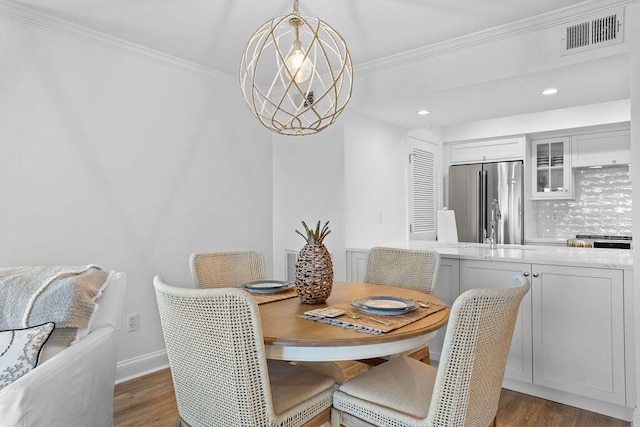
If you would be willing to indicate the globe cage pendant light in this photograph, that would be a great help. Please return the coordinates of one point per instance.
(296, 74)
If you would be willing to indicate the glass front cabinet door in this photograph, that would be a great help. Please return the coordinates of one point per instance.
(551, 168)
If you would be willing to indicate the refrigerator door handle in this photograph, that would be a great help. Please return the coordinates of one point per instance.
(480, 231)
(481, 187)
(485, 190)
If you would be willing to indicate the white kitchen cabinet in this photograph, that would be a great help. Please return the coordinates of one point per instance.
(356, 263)
(491, 274)
(570, 332)
(578, 331)
(574, 340)
(601, 149)
(550, 164)
(447, 290)
(493, 150)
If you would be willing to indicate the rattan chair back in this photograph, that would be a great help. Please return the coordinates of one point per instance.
(407, 268)
(471, 370)
(465, 389)
(216, 353)
(226, 269)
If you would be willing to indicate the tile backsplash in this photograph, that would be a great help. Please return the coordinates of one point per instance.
(602, 205)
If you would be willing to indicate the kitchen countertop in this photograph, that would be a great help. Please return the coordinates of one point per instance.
(547, 240)
(555, 255)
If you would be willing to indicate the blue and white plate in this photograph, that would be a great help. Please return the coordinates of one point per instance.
(384, 305)
(267, 286)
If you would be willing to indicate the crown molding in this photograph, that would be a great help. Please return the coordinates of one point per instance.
(35, 18)
(43, 21)
(513, 29)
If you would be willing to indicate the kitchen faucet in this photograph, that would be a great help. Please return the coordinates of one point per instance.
(495, 216)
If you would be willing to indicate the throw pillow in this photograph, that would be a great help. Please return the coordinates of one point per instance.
(20, 350)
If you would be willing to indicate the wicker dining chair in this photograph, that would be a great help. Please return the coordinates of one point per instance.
(463, 391)
(406, 268)
(220, 372)
(227, 269)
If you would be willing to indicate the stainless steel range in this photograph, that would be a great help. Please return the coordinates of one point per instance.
(600, 241)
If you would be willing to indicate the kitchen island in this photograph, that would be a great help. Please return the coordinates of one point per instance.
(573, 342)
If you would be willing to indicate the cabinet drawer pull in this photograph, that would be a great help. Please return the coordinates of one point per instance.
(525, 274)
(535, 274)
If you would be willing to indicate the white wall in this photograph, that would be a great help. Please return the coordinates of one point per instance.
(128, 163)
(349, 174)
(308, 185)
(566, 118)
(375, 182)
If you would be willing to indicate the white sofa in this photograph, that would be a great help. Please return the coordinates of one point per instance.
(73, 387)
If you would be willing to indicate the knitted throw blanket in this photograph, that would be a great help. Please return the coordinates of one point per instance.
(35, 295)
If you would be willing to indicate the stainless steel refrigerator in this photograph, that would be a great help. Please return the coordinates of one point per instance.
(482, 194)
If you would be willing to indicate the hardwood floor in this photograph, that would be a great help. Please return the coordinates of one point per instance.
(149, 401)
(146, 401)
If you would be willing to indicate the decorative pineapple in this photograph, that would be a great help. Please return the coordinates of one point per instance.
(314, 269)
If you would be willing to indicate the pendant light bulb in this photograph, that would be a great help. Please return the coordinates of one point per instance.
(296, 74)
(299, 65)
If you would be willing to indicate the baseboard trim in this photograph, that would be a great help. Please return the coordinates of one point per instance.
(141, 365)
(635, 422)
(605, 408)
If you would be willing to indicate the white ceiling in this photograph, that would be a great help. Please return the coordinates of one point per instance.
(591, 82)
(213, 34)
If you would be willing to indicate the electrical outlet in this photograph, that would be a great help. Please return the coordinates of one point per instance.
(132, 322)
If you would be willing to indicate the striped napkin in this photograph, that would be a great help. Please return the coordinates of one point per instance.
(369, 323)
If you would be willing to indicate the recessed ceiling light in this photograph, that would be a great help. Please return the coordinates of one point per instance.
(550, 91)
(423, 112)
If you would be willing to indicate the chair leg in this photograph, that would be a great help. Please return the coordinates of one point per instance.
(427, 357)
(336, 417)
(347, 420)
(322, 419)
(422, 355)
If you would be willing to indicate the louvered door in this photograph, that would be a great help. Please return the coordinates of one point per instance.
(423, 195)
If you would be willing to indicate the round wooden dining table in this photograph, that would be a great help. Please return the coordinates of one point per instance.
(289, 337)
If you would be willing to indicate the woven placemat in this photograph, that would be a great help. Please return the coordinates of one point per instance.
(373, 324)
(266, 298)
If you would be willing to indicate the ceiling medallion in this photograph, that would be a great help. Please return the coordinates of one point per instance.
(296, 74)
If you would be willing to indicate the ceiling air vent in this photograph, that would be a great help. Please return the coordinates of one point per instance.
(593, 33)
